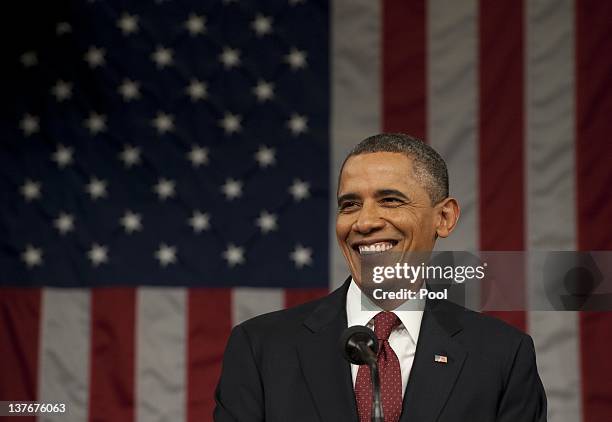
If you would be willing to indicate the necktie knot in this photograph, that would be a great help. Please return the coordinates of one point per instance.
(384, 323)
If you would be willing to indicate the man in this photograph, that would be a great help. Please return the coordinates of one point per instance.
(442, 364)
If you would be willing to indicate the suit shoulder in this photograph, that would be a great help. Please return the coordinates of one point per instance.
(485, 334)
(488, 324)
(484, 324)
(276, 320)
(272, 332)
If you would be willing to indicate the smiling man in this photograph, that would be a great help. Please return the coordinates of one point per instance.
(392, 196)
(439, 362)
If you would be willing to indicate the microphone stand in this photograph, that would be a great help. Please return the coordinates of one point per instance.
(359, 346)
(377, 409)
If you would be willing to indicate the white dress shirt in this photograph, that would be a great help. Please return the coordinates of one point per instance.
(403, 338)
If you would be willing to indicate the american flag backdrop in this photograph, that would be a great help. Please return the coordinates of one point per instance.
(168, 170)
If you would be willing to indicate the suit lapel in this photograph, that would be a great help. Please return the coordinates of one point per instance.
(431, 382)
(327, 374)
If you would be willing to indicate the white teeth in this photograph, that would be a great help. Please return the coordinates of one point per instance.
(375, 247)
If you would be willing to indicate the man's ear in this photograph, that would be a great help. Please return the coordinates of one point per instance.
(447, 214)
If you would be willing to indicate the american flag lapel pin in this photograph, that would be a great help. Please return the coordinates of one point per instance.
(440, 358)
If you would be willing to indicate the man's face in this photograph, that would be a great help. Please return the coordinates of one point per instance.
(382, 205)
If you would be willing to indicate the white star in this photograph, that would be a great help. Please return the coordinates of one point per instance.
(29, 124)
(195, 24)
(296, 58)
(64, 223)
(199, 221)
(299, 190)
(297, 124)
(263, 91)
(96, 123)
(62, 156)
(163, 123)
(165, 255)
(29, 59)
(164, 189)
(30, 190)
(262, 25)
(96, 188)
(232, 189)
(32, 256)
(129, 90)
(95, 57)
(234, 255)
(266, 222)
(128, 23)
(162, 57)
(62, 90)
(230, 57)
(231, 123)
(198, 156)
(130, 156)
(301, 256)
(197, 90)
(131, 222)
(265, 156)
(63, 28)
(98, 254)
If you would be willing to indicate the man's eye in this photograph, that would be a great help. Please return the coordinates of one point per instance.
(347, 205)
(391, 201)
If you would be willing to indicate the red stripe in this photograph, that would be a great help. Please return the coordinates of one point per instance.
(294, 297)
(403, 75)
(210, 323)
(594, 178)
(501, 132)
(112, 355)
(19, 337)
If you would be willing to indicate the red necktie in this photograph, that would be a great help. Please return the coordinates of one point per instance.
(389, 372)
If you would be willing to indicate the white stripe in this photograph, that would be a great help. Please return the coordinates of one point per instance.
(64, 352)
(452, 115)
(161, 354)
(356, 96)
(452, 108)
(248, 302)
(550, 190)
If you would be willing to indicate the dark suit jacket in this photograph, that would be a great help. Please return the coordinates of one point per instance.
(287, 366)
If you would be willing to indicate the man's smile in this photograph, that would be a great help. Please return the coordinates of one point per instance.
(368, 247)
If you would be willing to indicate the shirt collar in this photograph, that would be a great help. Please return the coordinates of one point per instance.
(357, 315)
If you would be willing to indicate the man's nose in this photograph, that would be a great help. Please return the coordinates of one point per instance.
(368, 219)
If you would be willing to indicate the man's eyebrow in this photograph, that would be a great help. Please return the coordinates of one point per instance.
(347, 197)
(391, 192)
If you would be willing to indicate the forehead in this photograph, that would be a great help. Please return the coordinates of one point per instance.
(377, 170)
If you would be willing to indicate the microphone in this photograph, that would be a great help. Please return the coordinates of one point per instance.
(359, 345)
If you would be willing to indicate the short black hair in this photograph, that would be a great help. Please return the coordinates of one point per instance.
(429, 167)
